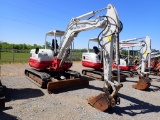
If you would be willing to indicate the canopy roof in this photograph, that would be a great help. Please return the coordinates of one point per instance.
(57, 33)
(93, 39)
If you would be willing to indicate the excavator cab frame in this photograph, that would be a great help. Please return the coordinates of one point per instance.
(56, 41)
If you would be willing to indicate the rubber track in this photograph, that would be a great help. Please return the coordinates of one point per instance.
(45, 77)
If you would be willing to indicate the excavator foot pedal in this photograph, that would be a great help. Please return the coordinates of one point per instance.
(99, 102)
(143, 83)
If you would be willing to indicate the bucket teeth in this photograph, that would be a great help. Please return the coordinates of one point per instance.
(99, 102)
(142, 84)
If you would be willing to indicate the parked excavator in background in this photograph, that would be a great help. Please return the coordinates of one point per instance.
(129, 63)
(94, 61)
(50, 67)
(145, 54)
(155, 62)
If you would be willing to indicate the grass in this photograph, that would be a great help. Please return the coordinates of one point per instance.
(9, 57)
(17, 57)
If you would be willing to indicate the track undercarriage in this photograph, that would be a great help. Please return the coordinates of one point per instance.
(57, 81)
(99, 74)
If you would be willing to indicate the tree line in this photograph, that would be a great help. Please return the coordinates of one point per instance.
(5, 45)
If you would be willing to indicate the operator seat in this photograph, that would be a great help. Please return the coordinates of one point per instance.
(53, 42)
(55, 50)
(99, 53)
(96, 50)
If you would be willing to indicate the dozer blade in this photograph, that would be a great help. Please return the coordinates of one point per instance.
(99, 102)
(56, 86)
(143, 83)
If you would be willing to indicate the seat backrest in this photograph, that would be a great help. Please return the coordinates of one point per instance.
(96, 50)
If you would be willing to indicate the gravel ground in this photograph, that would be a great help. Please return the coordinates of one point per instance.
(26, 101)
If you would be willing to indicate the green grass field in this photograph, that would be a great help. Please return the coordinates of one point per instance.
(8, 57)
(17, 57)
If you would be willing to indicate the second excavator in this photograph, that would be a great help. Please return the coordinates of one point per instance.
(94, 60)
(145, 54)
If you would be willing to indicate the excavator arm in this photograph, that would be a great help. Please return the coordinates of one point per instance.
(107, 39)
(110, 22)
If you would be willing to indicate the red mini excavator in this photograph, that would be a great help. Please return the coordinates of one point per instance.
(50, 67)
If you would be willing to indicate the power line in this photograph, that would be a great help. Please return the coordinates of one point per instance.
(26, 9)
(46, 6)
(2, 17)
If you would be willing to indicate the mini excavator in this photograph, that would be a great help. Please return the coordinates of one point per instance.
(94, 60)
(127, 63)
(50, 67)
(145, 52)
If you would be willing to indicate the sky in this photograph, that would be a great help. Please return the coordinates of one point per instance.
(27, 21)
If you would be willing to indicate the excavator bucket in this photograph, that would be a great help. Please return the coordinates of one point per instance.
(107, 99)
(99, 102)
(143, 83)
(56, 86)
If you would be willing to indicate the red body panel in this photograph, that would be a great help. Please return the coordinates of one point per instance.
(56, 63)
(92, 65)
(125, 68)
(52, 65)
(40, 65)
